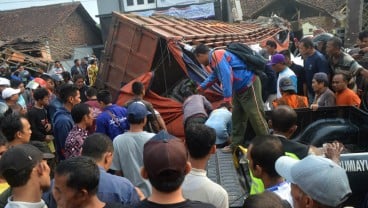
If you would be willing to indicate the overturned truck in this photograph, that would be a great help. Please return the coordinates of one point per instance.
(156, 50)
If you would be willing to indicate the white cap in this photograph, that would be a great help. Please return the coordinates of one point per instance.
(8, 92)
(4, 81)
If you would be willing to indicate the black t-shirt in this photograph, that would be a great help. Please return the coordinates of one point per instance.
(185, 204)
(114, 205)
(299, 149)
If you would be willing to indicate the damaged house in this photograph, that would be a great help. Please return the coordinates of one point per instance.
(47, 33)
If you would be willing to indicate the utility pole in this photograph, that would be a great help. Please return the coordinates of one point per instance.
(354, 14)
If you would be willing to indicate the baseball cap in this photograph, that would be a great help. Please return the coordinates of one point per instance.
(286, 84)
(4, 81)
(164, 152)
(138, 110)
(32, 85)
(276, 59)
(320, 178)
(21, 157)
(320, 76)
(8, 92)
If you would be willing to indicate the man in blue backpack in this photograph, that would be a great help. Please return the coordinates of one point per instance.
(241, 88)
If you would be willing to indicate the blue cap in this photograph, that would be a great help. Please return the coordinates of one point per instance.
(138, 110)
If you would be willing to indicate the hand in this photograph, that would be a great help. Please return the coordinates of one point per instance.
(48, 127)
(140, 193)
(314, 107)
(49, 138)
(333, 150)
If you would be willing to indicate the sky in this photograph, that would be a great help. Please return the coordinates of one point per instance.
(89, 5)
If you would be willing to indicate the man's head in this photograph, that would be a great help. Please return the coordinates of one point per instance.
(286, 85)
(76, 62)
(278, 62)
(165, 162)
(271, 47)
(66, 76)
(201, 53)
(315, 180)
(266, 199)
(23, 163)
(10, 95)
(340, 82)
(57, 64)
(283, 119)
(78, 80)
(306, 46)
(363, 39)
(16, 129)
(104, 97)
(69, 94)
(137, 113)
(334, 46)
(200, 141)
(91, 93)
(76, 182)
(138, 88)
(99, 147)
(319, 82)
(287, 56)
(42, 96)
(262, 154)
(82, 114)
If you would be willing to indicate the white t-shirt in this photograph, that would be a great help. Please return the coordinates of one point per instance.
(198, 187)
(283, 191)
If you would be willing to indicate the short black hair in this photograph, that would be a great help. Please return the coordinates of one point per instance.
(46, 77)
(81, 172)
(14, 83)
(40, 93)
(266, 199)
(104, 96)
(66, 91)
(137, 88)
(96, 145)
(271, 43)
(363, 34)
(345, 77)
(336, 42)
(199, 140)
(11, 125)
(286, 53)
(57, 61)
(167, 181)
(76, 60)
(265, 151)
(91, 91)
(283, 118)
(18, 178)
(201, 49)
(66, 75)
(79, 111)
(78, 76)
(307, 42)
(132, 120)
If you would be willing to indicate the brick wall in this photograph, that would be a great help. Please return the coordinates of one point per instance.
(73, 32)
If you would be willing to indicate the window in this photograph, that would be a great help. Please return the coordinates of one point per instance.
(140, 2)
(151, 1)
(130, 2)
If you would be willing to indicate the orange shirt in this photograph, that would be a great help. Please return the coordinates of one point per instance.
(292, 100)
(347, 98)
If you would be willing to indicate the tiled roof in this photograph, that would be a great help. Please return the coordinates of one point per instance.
(193, 32)
(251, 7)
(34, 23)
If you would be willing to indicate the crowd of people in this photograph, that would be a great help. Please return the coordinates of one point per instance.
(64, 143)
